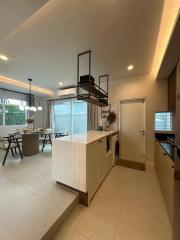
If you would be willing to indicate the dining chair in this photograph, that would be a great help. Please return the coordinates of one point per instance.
(46, 138)
(6, 144)
(59, 135)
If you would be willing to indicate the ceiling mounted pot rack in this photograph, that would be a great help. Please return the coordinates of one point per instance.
(87, 89)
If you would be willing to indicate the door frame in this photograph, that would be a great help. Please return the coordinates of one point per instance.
(143, 99)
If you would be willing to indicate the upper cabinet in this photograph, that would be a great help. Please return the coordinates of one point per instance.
(168, 69)
(172, 91)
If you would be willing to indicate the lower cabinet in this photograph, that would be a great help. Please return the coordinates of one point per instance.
(102, 158)
(98, 164)
(165, 172)
(109, 161)
(92, 167)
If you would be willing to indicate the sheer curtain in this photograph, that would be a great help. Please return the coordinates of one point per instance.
(92, 116)
(49, 115)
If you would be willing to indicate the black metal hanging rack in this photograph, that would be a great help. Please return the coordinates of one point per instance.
(92, 92)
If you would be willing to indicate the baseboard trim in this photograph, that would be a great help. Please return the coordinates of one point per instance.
(131, 164)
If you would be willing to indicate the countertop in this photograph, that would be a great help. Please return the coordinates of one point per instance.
(89, 137)
(169, 149)
(167, 142)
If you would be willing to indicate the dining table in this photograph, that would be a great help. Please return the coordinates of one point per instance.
(29, 141)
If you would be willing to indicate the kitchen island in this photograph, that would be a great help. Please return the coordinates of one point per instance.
(81, 162)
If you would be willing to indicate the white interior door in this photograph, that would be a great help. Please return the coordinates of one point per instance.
(133, 130)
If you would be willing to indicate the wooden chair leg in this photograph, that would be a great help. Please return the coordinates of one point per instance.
(15, 151)
(44, 141)
(7, 151)
(50, 139)
(42, 146)
(12, 152)
(19, 149)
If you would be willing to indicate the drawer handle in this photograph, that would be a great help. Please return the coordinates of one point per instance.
(165, 154)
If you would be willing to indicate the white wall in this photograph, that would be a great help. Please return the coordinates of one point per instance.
(143, 86)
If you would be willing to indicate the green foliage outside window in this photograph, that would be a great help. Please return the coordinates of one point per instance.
(14, 116)
(1, 115)
(10, 114)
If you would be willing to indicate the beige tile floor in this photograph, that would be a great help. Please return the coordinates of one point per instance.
(128, 206)
(30, 200)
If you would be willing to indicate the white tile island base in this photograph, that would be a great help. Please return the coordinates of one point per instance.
(81, 162)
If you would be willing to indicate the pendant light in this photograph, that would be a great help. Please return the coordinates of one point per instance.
(30, 101)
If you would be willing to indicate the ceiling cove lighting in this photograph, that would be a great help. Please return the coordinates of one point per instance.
(169, 17)
(30, 101)
(4, 57)
(130, 67)
(25, 85)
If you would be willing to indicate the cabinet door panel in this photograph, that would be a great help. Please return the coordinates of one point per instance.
(92, 167)
(102, 158)
(172, 91)
(169, 184)
(165, 172)
(109, 162)
(157, 158)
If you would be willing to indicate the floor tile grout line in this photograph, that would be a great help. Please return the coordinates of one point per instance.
(28, 189)
(82, 234)
(148, 217)
(115, 233)
(53, 203)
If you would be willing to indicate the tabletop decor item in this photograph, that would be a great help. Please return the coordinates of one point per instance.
(25, 130)
(111, 118)
(105, 110)
(30, 121)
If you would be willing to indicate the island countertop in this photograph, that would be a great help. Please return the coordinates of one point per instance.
(89, 137)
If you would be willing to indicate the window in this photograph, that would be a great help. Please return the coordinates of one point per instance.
(70, 116)
(10, 114)
(163, 121)
(1, 111)
(62, 117)
(79, 117)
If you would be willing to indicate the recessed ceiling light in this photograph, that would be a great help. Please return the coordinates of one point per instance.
(60, 83)
(130, 67)
(3, 57)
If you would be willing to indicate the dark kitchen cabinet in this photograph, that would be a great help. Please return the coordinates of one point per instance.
(172, 91)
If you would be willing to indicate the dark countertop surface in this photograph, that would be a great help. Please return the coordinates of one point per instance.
(167, 142)
(169, 149)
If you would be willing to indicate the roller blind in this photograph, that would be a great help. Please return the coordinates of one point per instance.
(163, 121)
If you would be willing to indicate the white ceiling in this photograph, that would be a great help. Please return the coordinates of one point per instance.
(13, 13)
(45, 46)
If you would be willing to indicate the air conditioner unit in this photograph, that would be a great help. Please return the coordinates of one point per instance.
(67, 92)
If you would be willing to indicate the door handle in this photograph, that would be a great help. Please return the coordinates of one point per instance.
(165, 154)
(142, 131)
